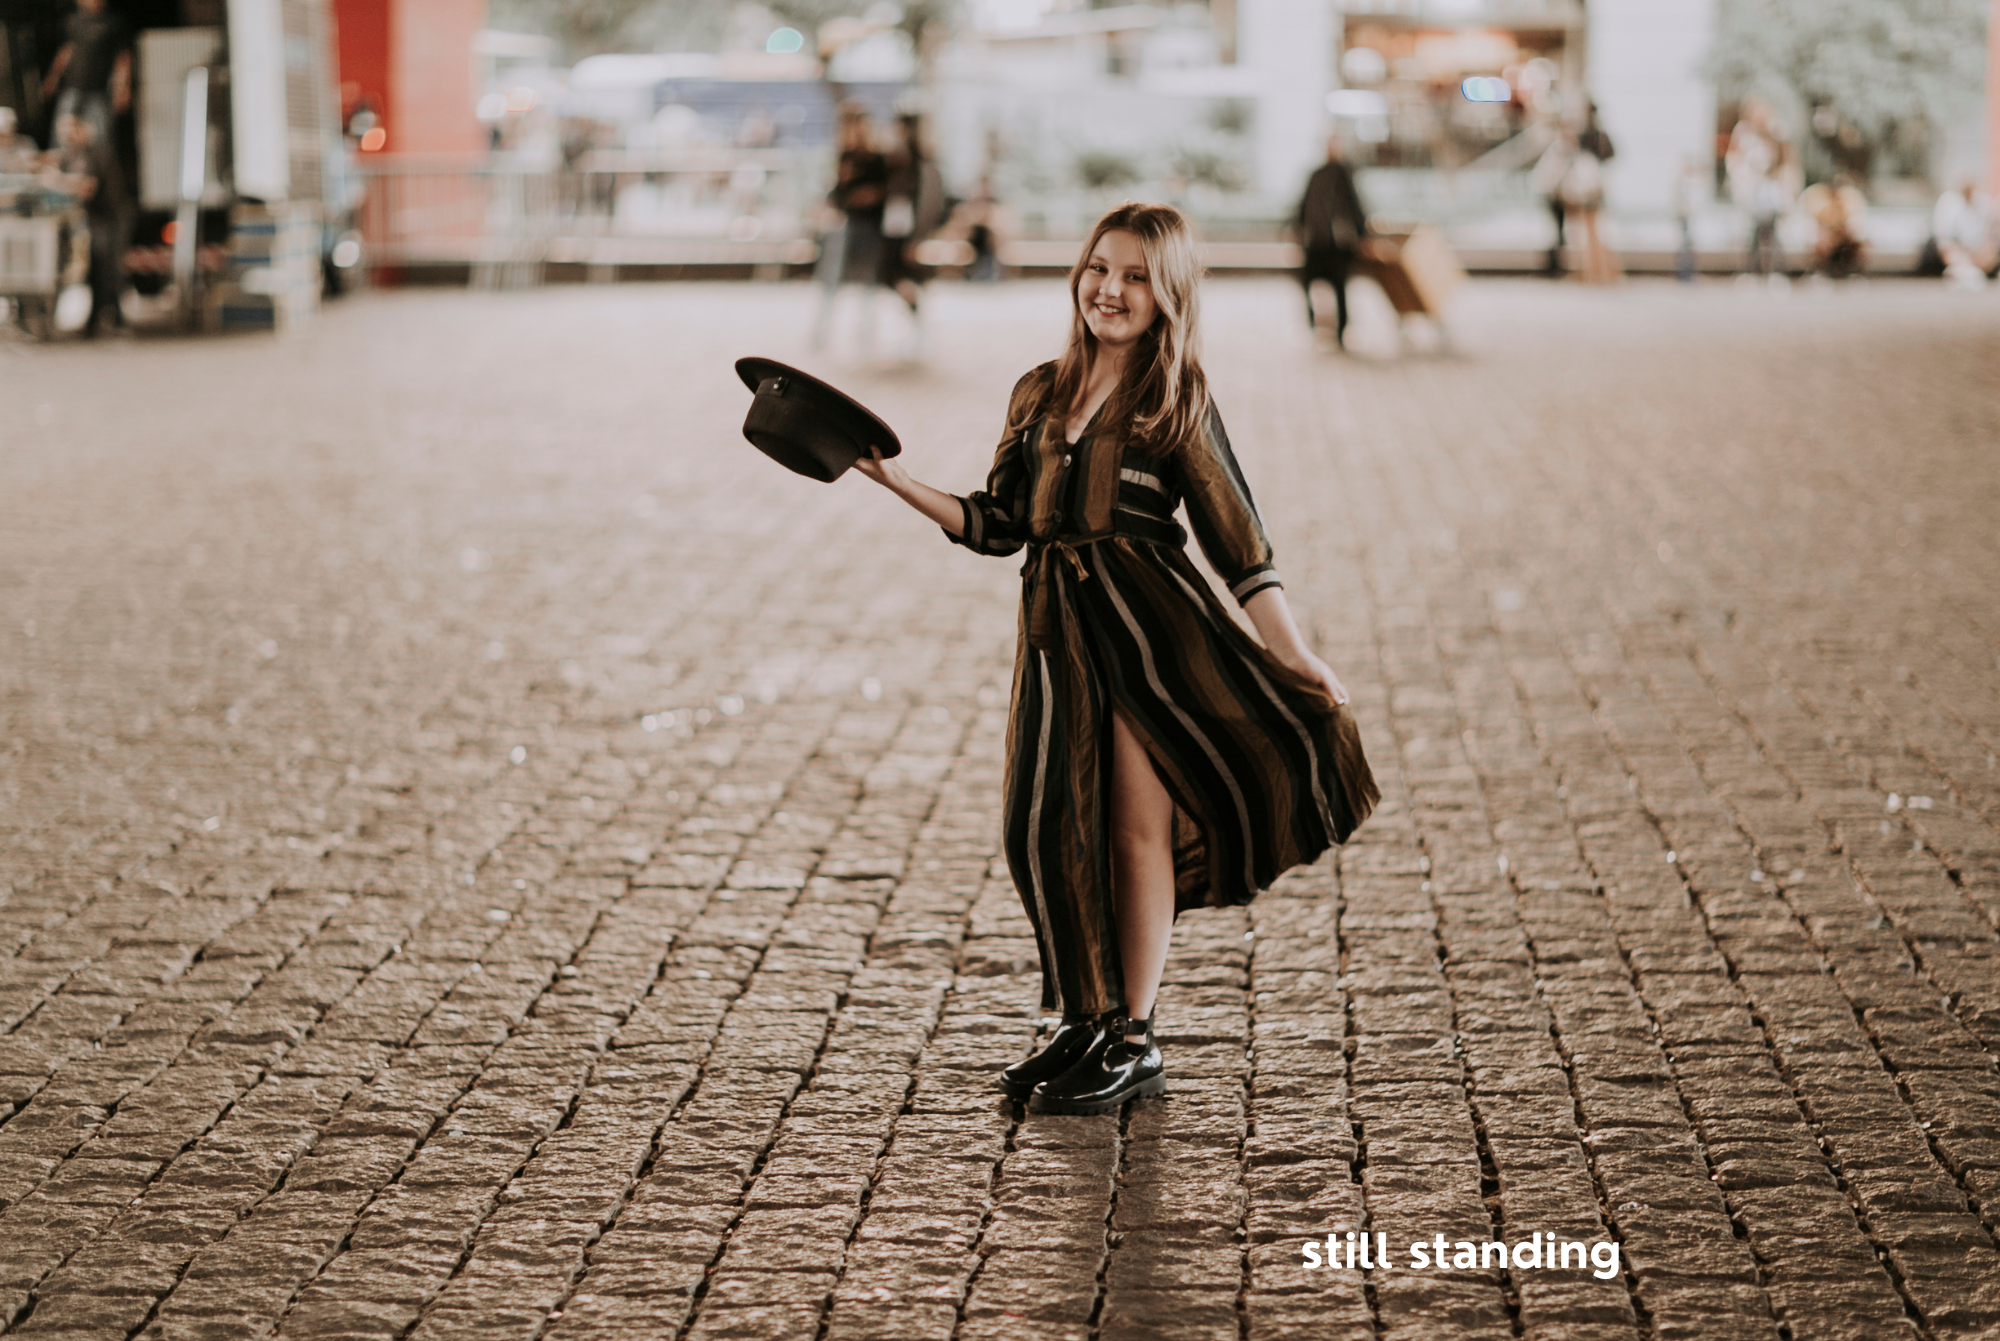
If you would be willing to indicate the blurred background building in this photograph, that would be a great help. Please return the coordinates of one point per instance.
(710, 121)
(228, 178)
(511, 140)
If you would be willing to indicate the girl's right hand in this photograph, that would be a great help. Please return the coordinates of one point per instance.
(885, 471)
(943, 508)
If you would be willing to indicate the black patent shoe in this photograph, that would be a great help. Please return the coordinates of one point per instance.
(1071, 1040)
(1108, 1075)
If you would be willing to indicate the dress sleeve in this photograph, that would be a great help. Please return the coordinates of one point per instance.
(996, 517)
(1222, 513)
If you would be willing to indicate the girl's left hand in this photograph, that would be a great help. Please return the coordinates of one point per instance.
(1320, 673)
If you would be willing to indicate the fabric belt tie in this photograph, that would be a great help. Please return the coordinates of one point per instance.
(1042, 570)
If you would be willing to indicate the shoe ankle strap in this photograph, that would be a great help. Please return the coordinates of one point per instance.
(1125, 1024)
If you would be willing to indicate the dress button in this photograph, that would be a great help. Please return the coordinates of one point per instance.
(1056, 518)
(1066, 458)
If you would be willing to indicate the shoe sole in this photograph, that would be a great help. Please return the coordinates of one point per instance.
(1076, 1108)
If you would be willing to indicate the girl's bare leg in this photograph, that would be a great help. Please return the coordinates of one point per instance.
(1142, 868)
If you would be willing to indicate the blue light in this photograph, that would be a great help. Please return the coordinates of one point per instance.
(784, 42)
(1486, 88)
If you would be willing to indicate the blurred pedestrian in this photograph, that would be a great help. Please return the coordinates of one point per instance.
(1546, 178)
(1159, 758)
(90, 75)
(982, 223)
(17, 151)
(851, 250)
(1331, 224)
(1963, 229)
(1839, 211)
(1761, 163)
(914, 211)
(84, 166)
(1582, 191)
(1686, 195)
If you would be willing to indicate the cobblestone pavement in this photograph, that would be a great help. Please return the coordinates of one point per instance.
(487, 854)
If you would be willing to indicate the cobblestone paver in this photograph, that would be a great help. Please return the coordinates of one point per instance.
(486, 854)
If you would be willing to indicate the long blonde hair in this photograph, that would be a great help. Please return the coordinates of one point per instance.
(1164, 389)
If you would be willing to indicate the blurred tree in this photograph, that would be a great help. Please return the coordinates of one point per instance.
(1210, 166)
(590, 27)
(1885, 68)
(1103, 169)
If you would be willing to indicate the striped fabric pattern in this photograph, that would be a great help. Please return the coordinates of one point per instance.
(1264, 769)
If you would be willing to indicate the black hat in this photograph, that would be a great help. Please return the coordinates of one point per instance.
(807, 426)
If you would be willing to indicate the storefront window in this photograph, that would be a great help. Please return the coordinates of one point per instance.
(1406, 103)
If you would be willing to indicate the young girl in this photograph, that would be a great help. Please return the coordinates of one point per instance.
(1158, 758)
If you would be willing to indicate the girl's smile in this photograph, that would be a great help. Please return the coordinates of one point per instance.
(1116, 292)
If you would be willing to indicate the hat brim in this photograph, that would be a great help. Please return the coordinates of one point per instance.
(807, 426)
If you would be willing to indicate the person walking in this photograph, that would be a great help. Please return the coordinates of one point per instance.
(1331, 225)
(1685, 192)
(85, 166)
(1158, 757)
(851, 252)
(914, 210)
(90, 75)
(1546, 178)
(1582, 191)
(1760, 164)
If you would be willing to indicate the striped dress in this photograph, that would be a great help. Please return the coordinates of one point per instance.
(1264, 769)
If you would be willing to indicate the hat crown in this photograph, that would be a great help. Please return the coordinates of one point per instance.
(807, 426)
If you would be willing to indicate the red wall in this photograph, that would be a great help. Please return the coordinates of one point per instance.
(362, 31)
(413, 60)
(434, 94)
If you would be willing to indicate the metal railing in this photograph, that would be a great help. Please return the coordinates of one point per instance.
(507, 219)
(428, 210)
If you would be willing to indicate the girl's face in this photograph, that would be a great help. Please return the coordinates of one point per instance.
(1115, 294)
